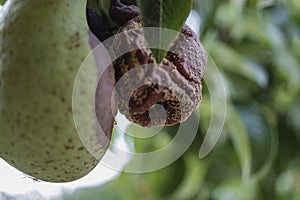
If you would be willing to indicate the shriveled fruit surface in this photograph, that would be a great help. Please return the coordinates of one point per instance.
(174, 84)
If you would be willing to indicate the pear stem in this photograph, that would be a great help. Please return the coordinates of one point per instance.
(114, 3)
(121, 13)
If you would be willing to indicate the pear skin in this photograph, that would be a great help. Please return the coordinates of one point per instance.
(42, 46)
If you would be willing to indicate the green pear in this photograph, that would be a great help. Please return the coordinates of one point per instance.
(42, 46)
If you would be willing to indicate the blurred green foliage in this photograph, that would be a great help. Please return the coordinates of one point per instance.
(256, 46)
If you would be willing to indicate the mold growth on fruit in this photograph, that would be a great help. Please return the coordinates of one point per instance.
(171, 90)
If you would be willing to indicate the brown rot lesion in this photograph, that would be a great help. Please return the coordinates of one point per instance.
(175, 83)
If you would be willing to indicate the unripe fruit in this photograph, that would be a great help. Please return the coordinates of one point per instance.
(42, 45)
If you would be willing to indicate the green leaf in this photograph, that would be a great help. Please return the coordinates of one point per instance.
(235, 189)
(287, 184)
(241, 143)
(169, 14)
(2, 2)
(271, 122)
(93, 5)
(103, 5)
(194, 177)
(167, 180)
(103, 10)
(124, 187)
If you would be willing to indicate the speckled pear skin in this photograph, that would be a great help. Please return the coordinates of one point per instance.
(42, 44)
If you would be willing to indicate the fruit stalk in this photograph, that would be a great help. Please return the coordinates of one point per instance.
(122, 13)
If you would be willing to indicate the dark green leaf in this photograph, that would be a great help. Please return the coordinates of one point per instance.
(104, 6)
(194, 177)
(235, 189)
(92, 4)
(170, 14)
(241, 143)
(273, 149)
